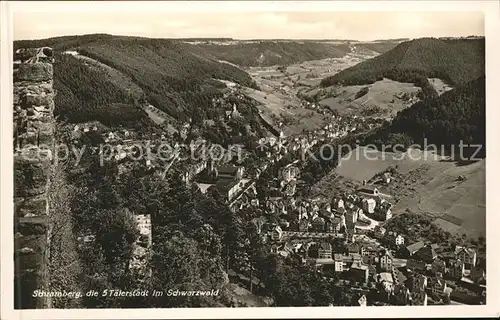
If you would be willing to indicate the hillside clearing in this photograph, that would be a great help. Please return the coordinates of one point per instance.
(385, 97)
(439, 85)
(279, 87)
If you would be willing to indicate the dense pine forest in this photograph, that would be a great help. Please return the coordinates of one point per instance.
(85, 94)
(173, 79)
(268, 53)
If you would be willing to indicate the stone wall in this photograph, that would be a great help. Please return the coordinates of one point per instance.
(34, 125)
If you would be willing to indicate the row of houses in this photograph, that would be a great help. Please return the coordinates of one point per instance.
(462, 264)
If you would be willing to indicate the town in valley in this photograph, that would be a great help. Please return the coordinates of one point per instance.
(254, 169)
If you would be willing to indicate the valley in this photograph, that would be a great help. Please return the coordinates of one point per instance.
(271, 210)
(286, 92)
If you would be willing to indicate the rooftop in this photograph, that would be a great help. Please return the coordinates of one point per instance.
(415, 246)
(325, 246)
(227, 170)
(427, 252)
(359, 266)
(386, 276)
(368, 189)
(468, 251)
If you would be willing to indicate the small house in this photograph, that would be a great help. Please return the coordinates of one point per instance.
(400, 240)
(369, 205)
(338, 262)
(414, 247)
(467, 255)
(370, 190)
(386, 260)
(325, 250)
(426, 254)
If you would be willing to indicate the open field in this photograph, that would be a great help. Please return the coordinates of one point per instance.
(363, 163)
(384, 97)
(439, 85)
(464, 201)
(458, 206)
(427, 186)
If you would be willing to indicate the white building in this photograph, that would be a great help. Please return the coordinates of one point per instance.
(400, 240)
(140, 253)
(277, 233)
(369, 205)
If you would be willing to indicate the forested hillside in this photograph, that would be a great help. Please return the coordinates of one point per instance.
(379, 46)
(457, 115)
(175, 76)
(268, 53)
(175, 80)
(454, 61)
(85, 94)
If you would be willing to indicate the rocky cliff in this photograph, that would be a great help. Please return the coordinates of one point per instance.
(34, 125)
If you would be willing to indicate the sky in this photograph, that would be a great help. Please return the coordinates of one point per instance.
(356, 25)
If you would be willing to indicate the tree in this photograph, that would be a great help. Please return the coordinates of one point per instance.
(181, 264)
(115, 233)
(308, 177)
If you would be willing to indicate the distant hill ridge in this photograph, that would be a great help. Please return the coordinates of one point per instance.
(455, 61)
(255, 52)
(175, 77)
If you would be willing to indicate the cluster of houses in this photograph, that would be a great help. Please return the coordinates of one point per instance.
(340, 216)
(408, 98)
(341, 126)
(305, 229)
(231, 110)
(461, 267)
(159, 151)
(397, 281)
(276, 147)
(373, 203)
(229, 181)
(273, 149)
(108, 135)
